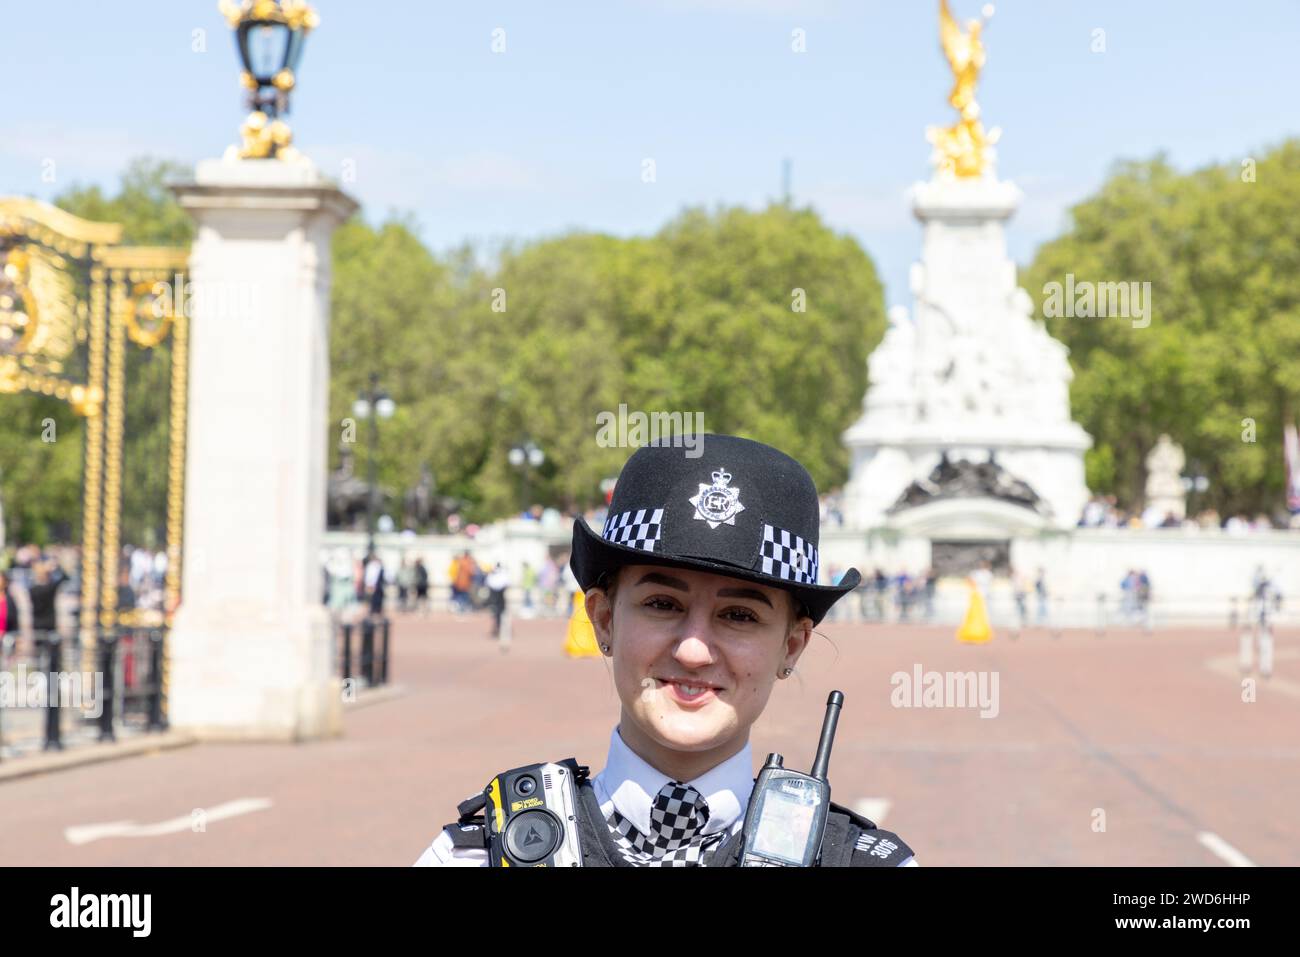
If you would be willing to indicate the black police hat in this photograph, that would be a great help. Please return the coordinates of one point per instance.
(718, 503)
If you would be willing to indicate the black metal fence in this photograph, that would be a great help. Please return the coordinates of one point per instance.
(369, 639)
(49, 696)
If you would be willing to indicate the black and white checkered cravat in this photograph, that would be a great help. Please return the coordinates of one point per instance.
(677, 815)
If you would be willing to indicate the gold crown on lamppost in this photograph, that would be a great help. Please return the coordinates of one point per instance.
(269, 36)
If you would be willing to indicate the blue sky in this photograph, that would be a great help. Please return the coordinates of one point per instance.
(551, 134)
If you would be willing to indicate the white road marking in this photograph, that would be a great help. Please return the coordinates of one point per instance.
(873, 809)
(86, 833)
(1221, 848)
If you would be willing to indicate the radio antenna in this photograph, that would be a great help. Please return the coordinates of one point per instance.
(823, 759)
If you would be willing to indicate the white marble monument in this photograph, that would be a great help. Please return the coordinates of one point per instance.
(251, 647)
(970, 371)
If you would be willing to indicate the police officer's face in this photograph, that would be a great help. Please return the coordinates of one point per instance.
(695, 654)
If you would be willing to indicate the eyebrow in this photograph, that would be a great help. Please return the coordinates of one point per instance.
(656, 578)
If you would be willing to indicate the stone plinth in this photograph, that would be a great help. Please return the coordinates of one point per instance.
(251, 649)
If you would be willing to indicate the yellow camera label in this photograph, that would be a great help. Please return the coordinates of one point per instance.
(528, 802)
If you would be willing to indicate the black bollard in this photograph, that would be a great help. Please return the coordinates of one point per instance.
(368, 651)
(107, 654)
(157, 711)
(346, 628)
(383, 666)
(54, 664)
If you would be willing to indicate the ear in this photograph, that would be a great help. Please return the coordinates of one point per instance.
(601, 612)
(796, 641)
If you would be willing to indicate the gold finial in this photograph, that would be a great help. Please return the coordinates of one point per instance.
(963, 149)
(264, 137)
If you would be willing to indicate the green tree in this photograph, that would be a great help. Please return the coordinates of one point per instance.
(760, 321)
(1221, 249)
(143, 204)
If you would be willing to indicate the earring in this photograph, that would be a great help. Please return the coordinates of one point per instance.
(787, 672)
(605, 648)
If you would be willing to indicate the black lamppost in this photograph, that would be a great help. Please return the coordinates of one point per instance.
(1194, 482)
(269, 35)
(526, 456)
(374, 405)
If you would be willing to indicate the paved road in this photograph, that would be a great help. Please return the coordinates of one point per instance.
(1147, 736)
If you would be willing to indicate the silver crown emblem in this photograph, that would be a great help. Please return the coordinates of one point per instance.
(719, 503)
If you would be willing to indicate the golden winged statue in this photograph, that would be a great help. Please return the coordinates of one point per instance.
(962, 150)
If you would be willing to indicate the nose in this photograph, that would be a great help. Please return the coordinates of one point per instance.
(694, 647)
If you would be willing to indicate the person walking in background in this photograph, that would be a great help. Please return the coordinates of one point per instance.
(421, 587)
(8, 620)
(342, 592)
(497, 582)
(931, 581)
(405, 581)
(1040, 590)
(1128, 596)
(879, 586)
(47, 577)
(903, 595)
(1143, 592)
(359, 579)
(548, 580)
(478, 589)
(375, 583)
(1021, 585)
(453, 576)
(530, 584)
(463, 582)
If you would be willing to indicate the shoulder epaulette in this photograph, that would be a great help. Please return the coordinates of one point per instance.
(852, 840)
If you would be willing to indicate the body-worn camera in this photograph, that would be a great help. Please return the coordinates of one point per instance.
(786, 817)
(531, 816)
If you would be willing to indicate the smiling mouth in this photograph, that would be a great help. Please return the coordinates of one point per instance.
(687, 692)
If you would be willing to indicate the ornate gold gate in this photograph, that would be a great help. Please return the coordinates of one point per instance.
(76, 311)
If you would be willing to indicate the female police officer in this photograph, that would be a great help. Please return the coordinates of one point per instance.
(702, 590)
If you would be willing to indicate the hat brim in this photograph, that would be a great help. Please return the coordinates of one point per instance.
(593, 556)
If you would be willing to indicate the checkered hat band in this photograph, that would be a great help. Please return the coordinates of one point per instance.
(788, 556)
(636, 529)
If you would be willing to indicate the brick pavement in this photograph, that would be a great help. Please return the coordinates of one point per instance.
(1149, 729)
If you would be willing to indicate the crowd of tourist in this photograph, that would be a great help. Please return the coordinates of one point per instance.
(1102, 511)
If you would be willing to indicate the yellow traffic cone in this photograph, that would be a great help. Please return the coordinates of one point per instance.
(581, 639)
(974, 627)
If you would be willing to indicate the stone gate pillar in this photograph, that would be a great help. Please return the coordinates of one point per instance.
(250, 648)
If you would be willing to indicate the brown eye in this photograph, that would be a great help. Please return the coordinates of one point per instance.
(740, 614)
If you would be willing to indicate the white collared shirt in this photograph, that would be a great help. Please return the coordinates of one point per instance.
(629, 784)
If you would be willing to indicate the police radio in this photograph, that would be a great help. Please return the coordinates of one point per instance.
(531, 816)
(786, 816)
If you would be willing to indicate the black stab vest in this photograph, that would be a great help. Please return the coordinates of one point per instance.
(851, 840)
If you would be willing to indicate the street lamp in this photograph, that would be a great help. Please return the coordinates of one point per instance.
(269, 35)
(1194, 482)
(526, 456)
(374, 405)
